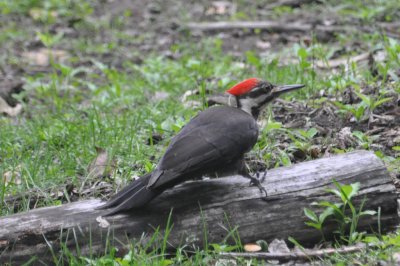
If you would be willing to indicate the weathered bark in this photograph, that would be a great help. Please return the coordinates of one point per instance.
(273, 26)
(323, 32)
(212, 205)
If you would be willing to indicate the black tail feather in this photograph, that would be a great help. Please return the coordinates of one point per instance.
(134, 195)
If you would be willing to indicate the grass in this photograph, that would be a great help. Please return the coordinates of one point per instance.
(91, 100)
(69, 115)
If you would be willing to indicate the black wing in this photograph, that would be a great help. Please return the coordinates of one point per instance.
(214, 138)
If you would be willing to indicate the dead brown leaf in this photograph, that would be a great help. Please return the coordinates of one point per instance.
(13, 176)
(345, 138)
(160, 96)
(103, 223)
(396, 258)
(263, 45)
(102, 165)
(8, 110)
(278, 246)
(221, 8)
(44, 56)
(39, 13)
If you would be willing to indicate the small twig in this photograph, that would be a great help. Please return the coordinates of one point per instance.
(297, 255)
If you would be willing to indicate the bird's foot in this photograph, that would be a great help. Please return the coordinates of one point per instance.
(257, 180)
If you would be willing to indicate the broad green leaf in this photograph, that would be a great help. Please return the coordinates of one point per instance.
(334, 191)
(371, 239)
(253, 59)
(311, 132)
(302, 53)
(326, 213)
(335, 206)
(315, 225)
(311, 215)
(263, 244)
(340, 105)
(358, 134)
(273, 125)
(364, 98)
(355, 188)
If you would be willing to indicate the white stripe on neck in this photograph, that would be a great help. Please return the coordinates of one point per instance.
(246, 104)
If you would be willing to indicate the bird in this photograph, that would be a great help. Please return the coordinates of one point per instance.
(213, 142)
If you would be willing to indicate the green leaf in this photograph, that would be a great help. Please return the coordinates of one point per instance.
(379, 154)
(263, 244)
(311, 132)
(223, 247)
(315, 225)
(128, 257)
(358, 134)
(364, 98)
(381, 101)
(334, 206)
(355, 188)
(302, 53)
(273, 125)
(359, 112)
(228, 248)
(121, 262)
(341, 106)
(345, 191)
(216, 247)
(253, 59)
(334, 191)
(326, 213)
(165, 262)
(368, 212)
(311, 215)
(371, 239)
(295, 242)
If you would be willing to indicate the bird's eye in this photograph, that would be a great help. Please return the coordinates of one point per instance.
(266, 88)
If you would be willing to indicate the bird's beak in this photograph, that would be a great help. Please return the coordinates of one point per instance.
(286, 88)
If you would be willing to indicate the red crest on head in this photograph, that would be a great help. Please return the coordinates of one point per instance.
(244, 86)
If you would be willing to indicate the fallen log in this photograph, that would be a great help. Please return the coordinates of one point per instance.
(321, 31)
(208, 207)
(274, 26)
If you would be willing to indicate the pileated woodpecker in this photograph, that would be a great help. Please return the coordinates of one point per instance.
(215, 141)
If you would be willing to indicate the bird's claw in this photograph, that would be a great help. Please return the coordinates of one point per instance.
(257, 180)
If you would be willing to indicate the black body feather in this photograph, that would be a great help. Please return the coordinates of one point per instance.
(212, 142)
